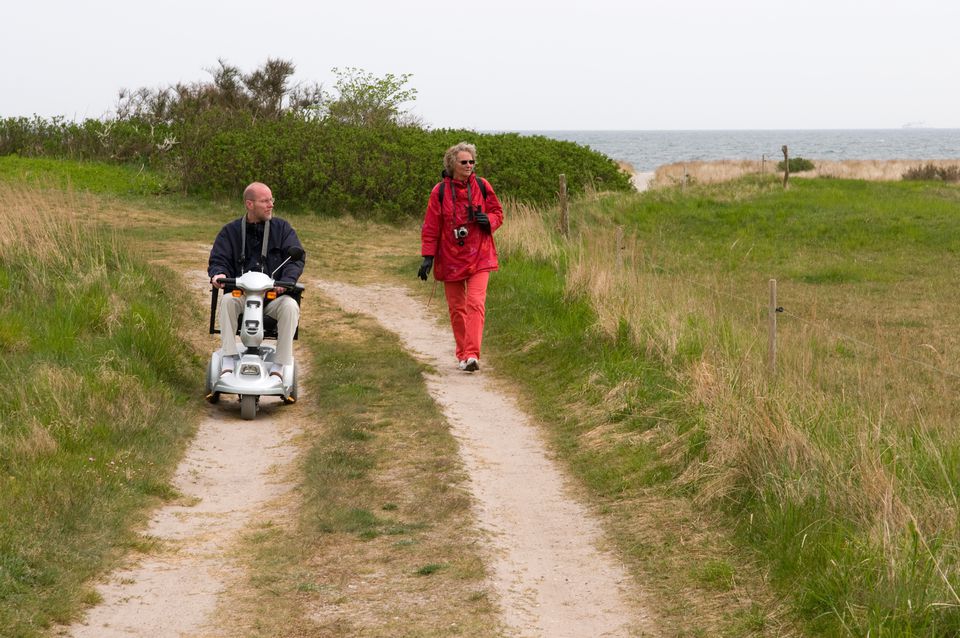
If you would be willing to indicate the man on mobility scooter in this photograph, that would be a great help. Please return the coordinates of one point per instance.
(258, 259)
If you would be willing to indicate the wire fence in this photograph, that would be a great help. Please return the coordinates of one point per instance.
(818, 325)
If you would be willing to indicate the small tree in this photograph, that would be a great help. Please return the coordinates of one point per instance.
(366, 100)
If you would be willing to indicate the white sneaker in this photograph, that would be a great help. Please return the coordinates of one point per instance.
(462, 365)
(472, 365)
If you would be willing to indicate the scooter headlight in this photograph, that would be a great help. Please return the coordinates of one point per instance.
(250, 369)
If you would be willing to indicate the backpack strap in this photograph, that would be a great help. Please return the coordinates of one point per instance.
(483, 187)
(483, 190)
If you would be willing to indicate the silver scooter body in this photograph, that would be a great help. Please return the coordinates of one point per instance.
(251, 378)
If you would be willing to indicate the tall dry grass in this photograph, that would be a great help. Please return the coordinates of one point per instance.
(713, 172)
(858, 419)
(52, 229)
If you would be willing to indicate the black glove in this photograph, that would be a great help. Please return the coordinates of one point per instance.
(482, 220)
(425, 267)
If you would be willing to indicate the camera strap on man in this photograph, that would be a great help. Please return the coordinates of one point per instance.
(243, 244)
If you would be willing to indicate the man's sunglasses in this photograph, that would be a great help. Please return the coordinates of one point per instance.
(465, 162)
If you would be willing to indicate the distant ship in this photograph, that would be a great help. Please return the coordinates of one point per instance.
(914, 125)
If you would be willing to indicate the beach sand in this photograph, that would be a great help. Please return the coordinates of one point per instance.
(711, 172)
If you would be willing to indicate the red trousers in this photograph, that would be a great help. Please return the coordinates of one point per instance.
(466, 300)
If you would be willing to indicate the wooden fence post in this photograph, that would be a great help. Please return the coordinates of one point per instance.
(772, 330)
(620, 247)
(564, 209)
(763, 164)
(786, 165)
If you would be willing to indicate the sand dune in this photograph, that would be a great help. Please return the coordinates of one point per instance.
(723, 170)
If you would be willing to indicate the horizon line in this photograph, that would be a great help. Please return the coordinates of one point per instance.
(709, 130)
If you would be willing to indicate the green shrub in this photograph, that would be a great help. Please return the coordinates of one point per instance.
(355, 151)
(122, 141)
(797, 165)
(384, 171)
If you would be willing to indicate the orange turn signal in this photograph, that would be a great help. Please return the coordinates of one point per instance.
(237, 293)
(271, 294)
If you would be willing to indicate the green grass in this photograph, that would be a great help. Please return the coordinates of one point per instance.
(553, 348)
(96, 409)
(818, 226)
(94, 177)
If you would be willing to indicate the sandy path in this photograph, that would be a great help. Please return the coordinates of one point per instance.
(641, 181)
(552, 579)
(231, 470)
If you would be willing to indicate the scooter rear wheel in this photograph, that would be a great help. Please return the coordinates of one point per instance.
(248, 407)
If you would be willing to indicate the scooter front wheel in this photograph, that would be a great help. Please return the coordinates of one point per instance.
(248, 407)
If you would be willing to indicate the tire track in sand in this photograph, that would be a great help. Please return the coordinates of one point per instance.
(230, 472)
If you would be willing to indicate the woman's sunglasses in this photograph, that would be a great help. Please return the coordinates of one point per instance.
(465, 162)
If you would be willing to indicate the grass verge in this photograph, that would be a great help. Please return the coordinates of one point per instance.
(96, 408)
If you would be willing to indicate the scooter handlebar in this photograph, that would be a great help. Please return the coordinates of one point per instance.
(230, 284)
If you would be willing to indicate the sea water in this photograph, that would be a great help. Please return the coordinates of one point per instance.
(646, 150)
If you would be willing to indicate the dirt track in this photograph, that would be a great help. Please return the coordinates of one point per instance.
(231, 470)
(552, 578)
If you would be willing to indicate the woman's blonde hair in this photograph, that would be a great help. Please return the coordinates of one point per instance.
(450, 157)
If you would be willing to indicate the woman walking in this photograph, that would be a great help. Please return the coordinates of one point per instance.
(456, 241)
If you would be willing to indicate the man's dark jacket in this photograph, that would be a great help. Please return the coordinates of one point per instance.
(225, 255)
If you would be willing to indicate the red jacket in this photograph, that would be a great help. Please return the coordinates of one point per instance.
(453, 261)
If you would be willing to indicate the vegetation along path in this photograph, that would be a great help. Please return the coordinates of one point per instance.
(551, 577)
(228, 474)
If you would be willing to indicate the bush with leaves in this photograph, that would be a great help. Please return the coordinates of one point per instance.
(384, 172)
(797, 165)
(353, 151)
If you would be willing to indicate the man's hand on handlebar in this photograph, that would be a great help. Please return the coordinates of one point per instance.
(221, 281)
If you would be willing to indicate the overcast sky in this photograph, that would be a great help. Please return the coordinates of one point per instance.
(518, 64)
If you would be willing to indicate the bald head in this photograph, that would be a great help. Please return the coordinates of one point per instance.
(258, 200)
(255, 191)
